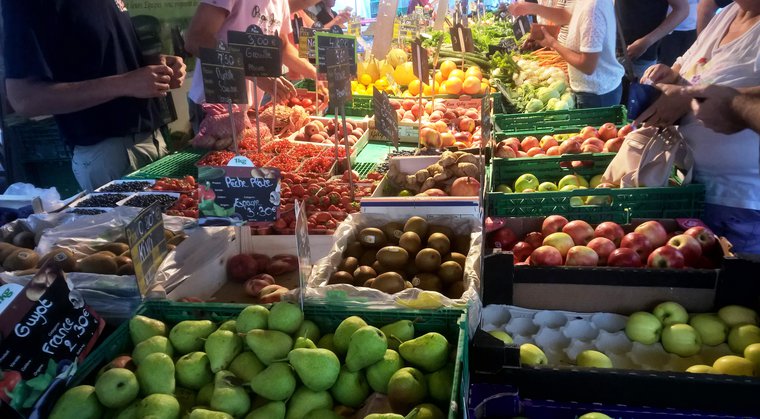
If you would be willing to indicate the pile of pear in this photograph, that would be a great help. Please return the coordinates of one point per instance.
(266, 364)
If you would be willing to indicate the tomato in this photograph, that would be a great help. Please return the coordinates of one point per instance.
(305, 102)
(8, 381)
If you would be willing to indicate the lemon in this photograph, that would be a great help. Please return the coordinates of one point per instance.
(381, 84)
(365, 79)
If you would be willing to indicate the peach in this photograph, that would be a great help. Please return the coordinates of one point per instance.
(447, 139)
(467, 124)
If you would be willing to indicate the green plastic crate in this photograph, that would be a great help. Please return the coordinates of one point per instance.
(450, 322)
(360, 106)
(551, 122)
(549, 169)
(307, 84)
(177, 165)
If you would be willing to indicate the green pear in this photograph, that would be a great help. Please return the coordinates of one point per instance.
(193, 370)
(309, 330)
(429, 352)
(381, 371)
(367, 346)
(230, 325)
(406, 389)
(130, 412)
(343, 333)
(80, 402)
(246, 365)
(252, 317)
(304, 343)
(222, 347)
(269, 345)
(271, 410)
(156, 374)
(276, 382)
(285, 317)
(229, 396)
(186, 399)
(141, 328)
(204, 395)
(323, 413)
(159, 406)
(188, 335)
(305, 400)
(117, 388)
(208, 414)
(440, 383)
(351, 389)
(398, 332)
(425, 411)
(384, 416)
(327, 342)
(317, 368)
(151, 345)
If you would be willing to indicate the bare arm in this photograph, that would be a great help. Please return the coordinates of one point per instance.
(674, 18)
(203, 28)
(296, 5)
(558, 15)
(583, 61)
(724, 109)
(291, 59)
(706, 10)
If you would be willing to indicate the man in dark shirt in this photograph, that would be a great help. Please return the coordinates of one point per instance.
(80, 61)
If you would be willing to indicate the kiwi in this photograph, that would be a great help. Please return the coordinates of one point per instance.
(105, 253)
(21, 259)
(450, 272)
(392, 257)
(418, 225)
(368, 257)
(372, 238)
(393, 231)
(126, 269)
(456, 257)
(408, 285)
(122, 260)
(428, 260)
(411, 269)
(5, 250)
(114, 248)
(348, 264)
(439, 242)
(121, 239)
(176, 240)
(363, 273)
(461, 244)
(99, 263)
(341, 277)
(128, 254)
(389, 282)
(455, 290)
(63, 258)
(354, 249)
(411, 242)
(437, 228)
(428, 282)
(24, 239)
(378, 267)
(368, 283)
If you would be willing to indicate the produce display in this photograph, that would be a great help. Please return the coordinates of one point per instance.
(607, 139)
(454, 174)
(535, 82)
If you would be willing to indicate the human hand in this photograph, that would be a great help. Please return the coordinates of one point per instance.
(659, 73)
(710, 104)
(178, 70)
(548, 41)
(285, 89)
(340, 19)
(520, 8)
(637, 48)
(667, 109)
(322, 88)
(146, 82)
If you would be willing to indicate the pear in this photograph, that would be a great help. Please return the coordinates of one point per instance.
(188, 335)
(428, 352)
(425, 411)
(193, 370)
(309, 330)
(406, 389)
(141, 328)
(230, 325)
(204, 395)
(269, 345)
(398, 332)
(229, 396)
(326, 342)
(440, 383)
(323, 413)
(252, 317)
(367, 346)
(151, 345)
(343, 333)
(285, 317)
(276, 382)
(80, 402)
(222, 347)
(245, 366)
(130, 412)
(117, 388)
(379, 373)
(208, 414)
(351, 389)
(305, 400)
(156, 374)
(186, 399)
(271, 410)
(304, 343)
(317, 368)
(159, 406)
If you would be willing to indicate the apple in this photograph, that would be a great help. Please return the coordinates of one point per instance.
(466, 124)
(547, 142)
(752, 353)
(589, 132)
(447, 139)
(581, 256)
(535, 239)
(553, 151)
(547, 187)
(593, 359)
(608, 131)
(504, 151)
(611, 231)
(671, 312)
(681, 339)
(594, 415)
(613, 145)
(654, 231)
(522, 154)
(513, 143)
(643, 327)
(701, 369)
(503, 238)
(624, 258)
(580, 231)
(560, 241)
(503, 188)
(603, 248)
(434, 192)
(522, 250)
(553, 224)
(535, 151)
(501, 335)
(704, 236)
(546, 256)
(710, 327)
(570, 146)
(735, 315)
(465, 186)
(688, 246)
(742, 336)
(526, 181)
(625, 130)
(529, 142)
(594, 142)
(734, 365)
(595, 181)
(532, 355)
(666, 257)
(639, 243)
(431, 138)
(574, 180)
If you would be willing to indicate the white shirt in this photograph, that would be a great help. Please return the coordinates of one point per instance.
(726, 164)
(593, 28)
(568, 5)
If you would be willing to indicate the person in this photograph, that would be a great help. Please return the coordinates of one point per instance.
(725, 54)
(565, 4)
(674, 44)
(644, 23)
(724, 109)
(80, 61)
(706, 10)
(323, 13)
(595, 74)
(413, 5)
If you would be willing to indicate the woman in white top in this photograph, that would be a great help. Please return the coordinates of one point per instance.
(726, 53)
(594, 72)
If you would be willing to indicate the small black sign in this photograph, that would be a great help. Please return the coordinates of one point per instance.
(521, 26)
(223, 76)
(339, 75)
(326, 41)
(147, 244)
(420, 63)
(336, 29)
(235, 195)
(261, 53)
(386, 120)
(461, 38)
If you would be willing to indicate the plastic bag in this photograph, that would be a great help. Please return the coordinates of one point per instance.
(51, 199)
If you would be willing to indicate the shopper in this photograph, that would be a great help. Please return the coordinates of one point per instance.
(594, 72)
(323, 13)
(80, 61)
(706, 11)
(724, 109)
(677, 42)
(726, 53)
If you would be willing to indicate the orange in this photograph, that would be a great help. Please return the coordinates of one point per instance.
(427, 90)
(459, 74)
(475, 72)
(484, 88)
(438, 77)
(471, 85)
(446, 67)
(452, 86)
(414, 87)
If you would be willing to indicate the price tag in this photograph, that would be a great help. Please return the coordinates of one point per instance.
(147, 245)
(461, 38)
(327, 41)
(354, 27)
(386, 120)
(235, 195)
(521, 26)
(302, 248)
(223, 76)
(420, 63)
(307, 44)
(408, 31)
(261, 53)
(240, 161)
(339, 75)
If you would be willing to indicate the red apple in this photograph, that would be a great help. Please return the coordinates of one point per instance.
(613, 145)
(522, 250)
(535, 151)
(654, 231)
(434, 192)
(688, 246)
(639, 243)
(529, 142)
(503, 238)
(704, 236)
(553, 224)
(534, 239)
(580, 231)
(570, 146)
(522, 154)
(504, 150)
(553, 151)
(589, 132)
(666, 257)
(610, 230)
(603, 247)
(560, 241)
(465, 186)
(608, 131)
(622, 132)
(513, 142)
(593, 141)
(547, 142)
(624, 257)
(581, 256)
(546, 256)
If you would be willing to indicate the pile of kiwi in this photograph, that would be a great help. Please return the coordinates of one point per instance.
(398, 256)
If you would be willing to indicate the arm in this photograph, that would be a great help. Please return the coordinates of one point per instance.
(706, 10)
(558, 16)
(724, 109)
(296, 5)
(203, 28)
(674, 18)
(583, 61)
(295, 64)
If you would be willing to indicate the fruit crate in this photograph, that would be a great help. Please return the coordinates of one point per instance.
(507, 170)
(359, 106)
(552, 122)
(307, 84)
(176, 165)
(450, 322)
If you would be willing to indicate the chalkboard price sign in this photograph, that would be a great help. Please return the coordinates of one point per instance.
(339, 75)
(261, 53)
(461, 38)
(420, 63)
(223, 76)
(521, 26)
(147, 244)
(234, 195)
(327, 41)
(385, 116)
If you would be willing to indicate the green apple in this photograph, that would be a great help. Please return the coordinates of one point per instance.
(710, 327)
(671, 313)
(734, 365)
(643, 327)
(567, 188)
(593, 359)
(531, 354)
(577, 201)
(501, 335)
(752, 353)
(572, 180)
(595, 181)
(734, 315)
(594, 415)
(547, 187)
(503, 188)
(701, 369)
(681, 339)
(526, 181)
(742, 336)
(406, 192)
